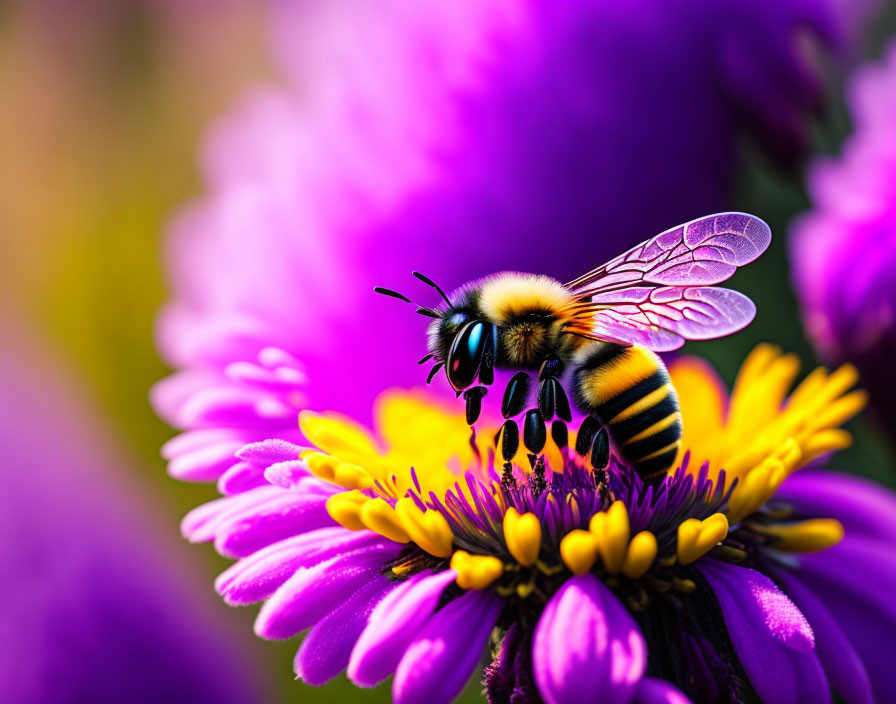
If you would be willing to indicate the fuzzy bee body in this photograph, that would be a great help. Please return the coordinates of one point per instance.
(595, 338)
(626, 389)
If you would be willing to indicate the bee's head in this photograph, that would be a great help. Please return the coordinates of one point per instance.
(460, 339)
(466, 345)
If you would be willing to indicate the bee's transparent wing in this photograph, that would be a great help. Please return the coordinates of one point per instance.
(660, 293)
(702, 252)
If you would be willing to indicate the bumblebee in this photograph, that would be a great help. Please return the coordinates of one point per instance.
(595, 339)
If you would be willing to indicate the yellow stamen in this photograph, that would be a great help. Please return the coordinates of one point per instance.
(345, 508)
(523, 536)
(578, 550)
(476, 571)
(808, 536)
(429, 529)
(762, 423)
(696, 537)
(612, 530)
(826, 441)
(640, 554)
(322, 466)
(380, 517)
(351, 476)
(338, 435)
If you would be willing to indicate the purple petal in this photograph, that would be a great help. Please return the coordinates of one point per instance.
(863, 507)
(268, 452)
(200, 524)
(653, 691)
(841, 662)
(284, 515)
(867, 566)
(287, 474)
(312, 593)
(587, 647)
(771, 636)
(854, 581)
(241, 477)
(204, 464)
(393, 624)
(438, 663)
(326, 649)
(256, 577)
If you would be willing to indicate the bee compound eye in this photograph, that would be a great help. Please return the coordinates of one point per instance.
(465, 355)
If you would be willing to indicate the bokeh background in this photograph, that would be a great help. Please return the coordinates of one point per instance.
(103, 105)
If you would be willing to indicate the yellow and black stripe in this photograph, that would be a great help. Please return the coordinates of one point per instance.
(629, 391)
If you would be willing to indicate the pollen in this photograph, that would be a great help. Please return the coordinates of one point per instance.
(578, 551)
(476, 571)
(380, 517)
(345, 508)
(612, 530)
(523, 536)
(428, 529)
(806, 536)
(696, 537)
(640, 555)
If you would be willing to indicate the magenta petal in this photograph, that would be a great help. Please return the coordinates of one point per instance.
(771, 636)
(256, 577)
(653, 691)
(393, 624)
(268, 452)
(326, 649)
(587, 647)
(286, 514)
(201, 524)
(204, 464)
(842, 664)
(287, 474)
(241, 477)
(438, 663)
(312, 593)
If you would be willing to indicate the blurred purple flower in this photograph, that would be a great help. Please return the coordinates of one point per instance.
(98, 605)
(460, 140)
(844, 251)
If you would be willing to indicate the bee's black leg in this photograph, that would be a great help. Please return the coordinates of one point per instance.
(473, 397)
(534, 431)
(587, 433)
(515, 395)
(600, 450)
(552, 399)
(560, 433)
(510, 444)
(510, 440)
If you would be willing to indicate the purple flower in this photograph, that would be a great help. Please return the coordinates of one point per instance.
(585, 583)
(844, 251)
(460, 141)
(98, 606)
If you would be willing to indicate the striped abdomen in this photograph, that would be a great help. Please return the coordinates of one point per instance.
(629, 391)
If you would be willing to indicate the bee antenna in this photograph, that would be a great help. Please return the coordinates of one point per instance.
(434, 371)
(429, 282)
(393, 294)
(429, 312)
